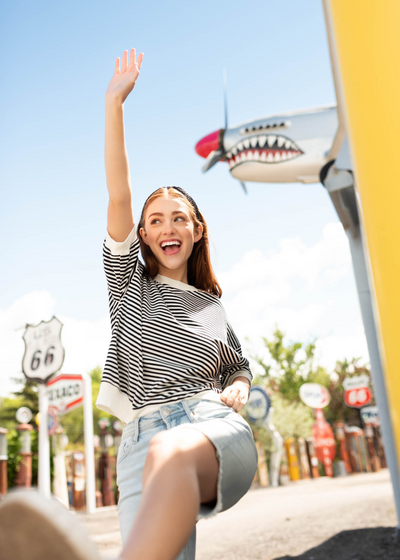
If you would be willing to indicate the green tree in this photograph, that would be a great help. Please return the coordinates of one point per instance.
(27, 396)
(292, 364)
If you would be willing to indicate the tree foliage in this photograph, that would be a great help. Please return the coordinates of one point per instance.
(292, 364)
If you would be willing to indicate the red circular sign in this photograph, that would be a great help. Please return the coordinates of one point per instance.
(357, 398)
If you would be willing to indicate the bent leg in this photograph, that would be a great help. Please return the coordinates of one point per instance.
(180, 473)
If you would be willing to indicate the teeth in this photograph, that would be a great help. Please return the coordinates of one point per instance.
(229, 155)
(288, 144)
(170, 243)
(271, 140)
(250, 155)
(284, 156)
(261, 141)
(256, 155)
(246, 143)
(263, 156)
(270, 157)
(277, 156)
(234, 151)
(281, 141)
(240, 146)
(253, 142)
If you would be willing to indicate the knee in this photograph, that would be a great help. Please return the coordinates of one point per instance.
(165, 449)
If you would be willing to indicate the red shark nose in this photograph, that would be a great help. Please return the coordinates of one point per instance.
(208, 144)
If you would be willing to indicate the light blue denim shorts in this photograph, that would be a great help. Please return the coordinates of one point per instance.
(226, 429)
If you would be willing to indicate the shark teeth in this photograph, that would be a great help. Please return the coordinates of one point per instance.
(264, 148)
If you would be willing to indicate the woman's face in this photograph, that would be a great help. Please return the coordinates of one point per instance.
(170, 233)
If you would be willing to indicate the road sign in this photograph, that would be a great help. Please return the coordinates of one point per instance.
(314, 395)
(24, 415)
(44, 353)
(258, 405)
(65, 392)
(370, 415)
(357, 398)
(357, 392)
(52, 421)
(356, 382)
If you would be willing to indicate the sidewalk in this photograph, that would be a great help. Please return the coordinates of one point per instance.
(270, 523)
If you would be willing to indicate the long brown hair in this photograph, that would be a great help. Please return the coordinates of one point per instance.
(200, 273)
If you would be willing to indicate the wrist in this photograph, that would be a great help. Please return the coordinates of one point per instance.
(242, 379)
(113, 100)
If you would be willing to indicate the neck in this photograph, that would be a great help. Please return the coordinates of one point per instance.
(178, 274)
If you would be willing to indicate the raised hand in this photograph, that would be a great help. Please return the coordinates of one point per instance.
(124, 79)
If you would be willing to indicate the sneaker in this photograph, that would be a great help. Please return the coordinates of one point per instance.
(36, 528)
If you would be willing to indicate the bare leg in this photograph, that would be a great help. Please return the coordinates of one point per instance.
(180, 473)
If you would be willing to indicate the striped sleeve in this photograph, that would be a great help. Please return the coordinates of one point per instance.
(120, 260)
(234, 364)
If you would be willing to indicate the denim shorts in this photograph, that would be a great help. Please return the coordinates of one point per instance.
(226, 429)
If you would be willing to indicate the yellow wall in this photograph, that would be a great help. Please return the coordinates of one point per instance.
(367, 35)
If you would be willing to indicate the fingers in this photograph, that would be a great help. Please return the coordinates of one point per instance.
(139, 60)
(124, 63)
(132, 58)
(116, 68)
(232, 397)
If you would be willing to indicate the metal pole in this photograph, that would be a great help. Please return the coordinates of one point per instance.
(378, 379)
(44, 446)
(89, 445)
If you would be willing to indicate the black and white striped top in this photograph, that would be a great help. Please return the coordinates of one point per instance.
(170, 341)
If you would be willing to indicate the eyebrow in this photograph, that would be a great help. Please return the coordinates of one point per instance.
(161, 214)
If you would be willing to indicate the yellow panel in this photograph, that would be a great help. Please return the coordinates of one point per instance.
(367, 34)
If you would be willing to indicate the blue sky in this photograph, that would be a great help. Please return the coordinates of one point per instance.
(57, 61)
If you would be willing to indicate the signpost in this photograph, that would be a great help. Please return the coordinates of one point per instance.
(370, 415)
(259, 411)
(317, 397)
(357, 392)
(65, 392)
(43, 357)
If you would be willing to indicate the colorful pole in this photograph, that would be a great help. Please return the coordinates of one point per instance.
(367, 43)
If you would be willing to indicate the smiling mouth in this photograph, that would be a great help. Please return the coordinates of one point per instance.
(263, 148)
(171, 248)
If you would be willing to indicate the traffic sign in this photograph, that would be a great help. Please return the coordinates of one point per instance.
(370, 415)
(44, 353)
(24, 415)
(65, 392)
(357, 398)
(314, 395)
(258, 405)
(52, 421)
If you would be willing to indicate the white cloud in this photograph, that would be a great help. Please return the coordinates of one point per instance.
(308, 291)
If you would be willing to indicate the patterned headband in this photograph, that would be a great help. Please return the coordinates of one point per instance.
(185, 194)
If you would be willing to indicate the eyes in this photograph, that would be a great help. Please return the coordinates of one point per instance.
(177, 218)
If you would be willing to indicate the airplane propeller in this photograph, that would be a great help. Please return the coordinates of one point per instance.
(211, 146)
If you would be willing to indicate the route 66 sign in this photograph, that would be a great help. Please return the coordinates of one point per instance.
(44, 353)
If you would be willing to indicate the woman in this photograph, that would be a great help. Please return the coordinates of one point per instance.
(174, 374)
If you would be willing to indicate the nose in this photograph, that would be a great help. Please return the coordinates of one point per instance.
(208, 144)
(169, 226)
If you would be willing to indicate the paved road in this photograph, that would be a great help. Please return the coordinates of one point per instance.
(269, 523)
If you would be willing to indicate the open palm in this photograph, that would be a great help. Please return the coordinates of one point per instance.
(124, 79)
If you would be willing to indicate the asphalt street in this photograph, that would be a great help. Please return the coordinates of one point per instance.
(271, 523)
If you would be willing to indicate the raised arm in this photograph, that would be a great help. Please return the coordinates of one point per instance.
(120, 216)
